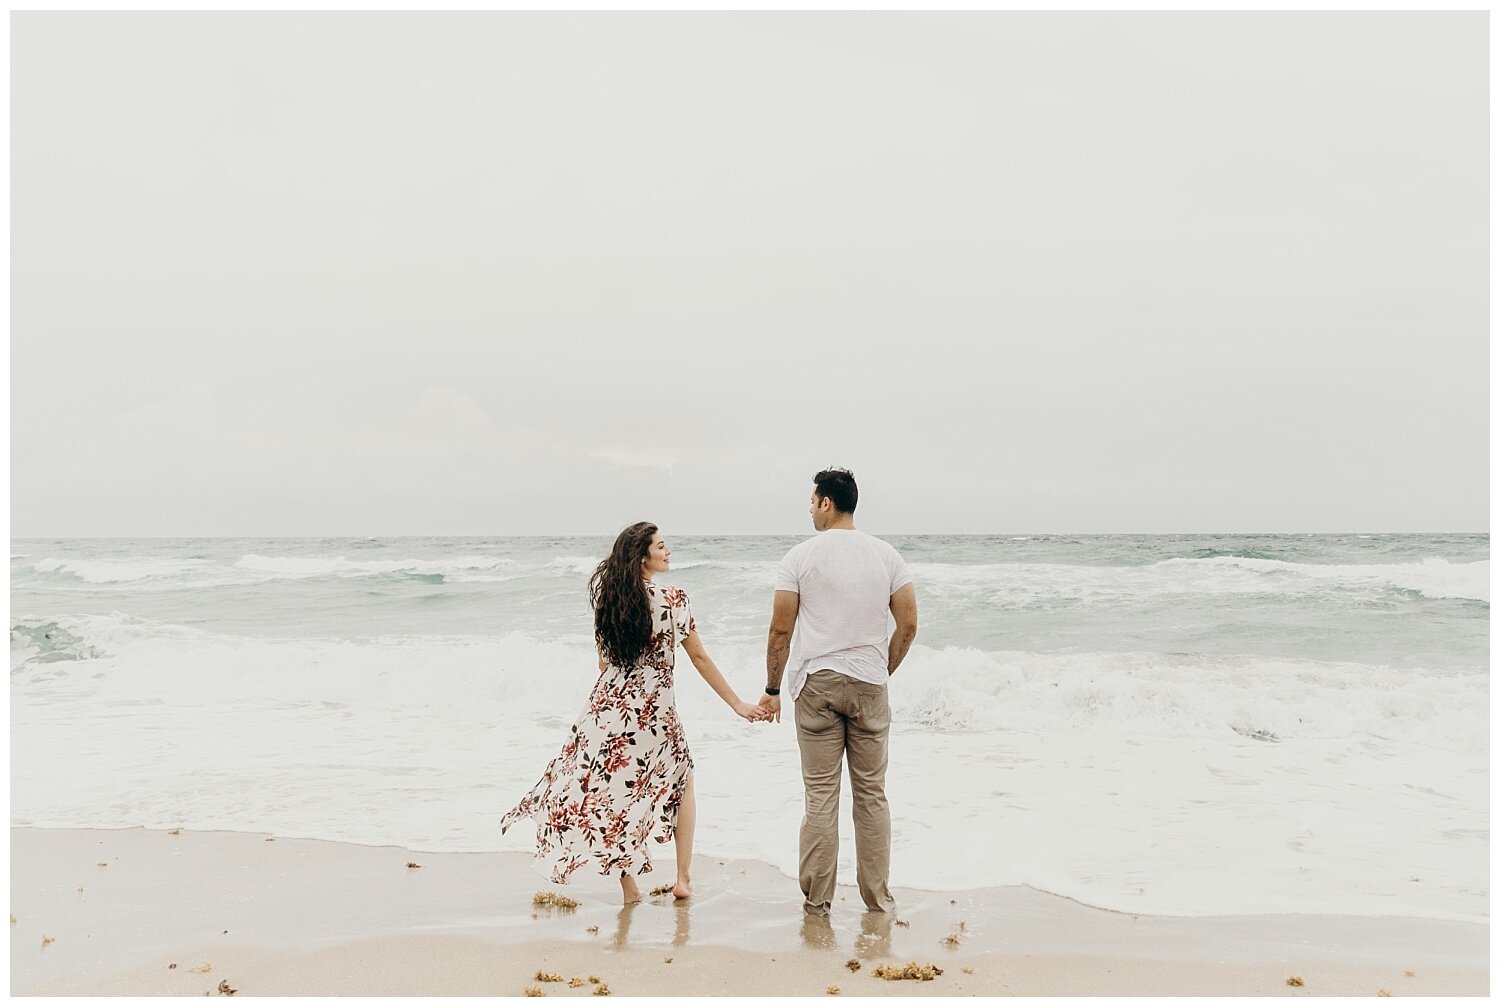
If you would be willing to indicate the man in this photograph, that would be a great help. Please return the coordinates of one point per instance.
(837, 591)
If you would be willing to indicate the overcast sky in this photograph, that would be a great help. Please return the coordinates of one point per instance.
(512, 274)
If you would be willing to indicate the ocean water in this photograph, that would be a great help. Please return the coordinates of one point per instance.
(1178, 725)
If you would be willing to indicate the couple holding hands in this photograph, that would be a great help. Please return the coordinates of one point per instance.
(625, 775)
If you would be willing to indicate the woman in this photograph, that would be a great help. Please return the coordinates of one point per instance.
(625, 774)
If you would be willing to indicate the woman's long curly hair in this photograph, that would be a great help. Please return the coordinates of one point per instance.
(617, 590)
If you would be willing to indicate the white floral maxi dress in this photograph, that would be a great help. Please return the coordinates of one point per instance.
(620, 777)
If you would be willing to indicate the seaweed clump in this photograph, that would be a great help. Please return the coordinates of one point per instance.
(554, 899)
(911, 970)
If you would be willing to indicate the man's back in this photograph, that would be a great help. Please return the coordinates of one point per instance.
(844, 580)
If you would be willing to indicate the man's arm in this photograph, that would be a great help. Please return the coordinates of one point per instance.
(904, 608)
(779, 645)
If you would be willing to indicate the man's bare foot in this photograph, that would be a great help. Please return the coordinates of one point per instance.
(683, 889)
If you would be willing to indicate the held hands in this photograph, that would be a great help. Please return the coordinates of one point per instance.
(753, 714)
(770, 708)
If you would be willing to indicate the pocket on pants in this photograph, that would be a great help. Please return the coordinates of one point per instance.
(873, 707)
(815, 703)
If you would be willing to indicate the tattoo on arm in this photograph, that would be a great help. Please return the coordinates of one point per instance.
(779, 641)
(776, 655)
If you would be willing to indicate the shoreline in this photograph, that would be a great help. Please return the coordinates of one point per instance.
(277, 916)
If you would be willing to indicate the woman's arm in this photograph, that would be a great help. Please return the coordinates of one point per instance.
(715, 678)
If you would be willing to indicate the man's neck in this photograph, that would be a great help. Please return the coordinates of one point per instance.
(845, 523)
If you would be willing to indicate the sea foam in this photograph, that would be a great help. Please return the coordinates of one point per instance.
(1116, 779)
(1160, 724)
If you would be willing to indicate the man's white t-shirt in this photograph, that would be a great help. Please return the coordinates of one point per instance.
(844, 580)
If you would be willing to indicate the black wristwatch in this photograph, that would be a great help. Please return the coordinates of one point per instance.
(772, 692)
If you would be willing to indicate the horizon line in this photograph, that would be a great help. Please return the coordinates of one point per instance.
(960, 534)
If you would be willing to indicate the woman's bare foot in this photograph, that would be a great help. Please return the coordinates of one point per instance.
(683, 889)
(629, 892)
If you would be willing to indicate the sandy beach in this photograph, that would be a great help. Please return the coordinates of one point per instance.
(137, 912)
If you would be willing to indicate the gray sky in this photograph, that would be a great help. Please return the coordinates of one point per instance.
(512, 274)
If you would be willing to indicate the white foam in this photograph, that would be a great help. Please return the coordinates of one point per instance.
(100, 571)
(1432, 577)
(1127, 781)
(582, 565)
(321, 566)
(1045, 584)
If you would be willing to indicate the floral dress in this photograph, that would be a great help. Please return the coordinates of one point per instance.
(620, 777)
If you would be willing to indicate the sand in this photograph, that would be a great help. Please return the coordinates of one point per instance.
(279, 916)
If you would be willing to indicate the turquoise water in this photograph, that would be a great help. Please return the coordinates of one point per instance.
(1401, 599)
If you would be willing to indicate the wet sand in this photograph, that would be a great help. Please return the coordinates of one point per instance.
(306, 917)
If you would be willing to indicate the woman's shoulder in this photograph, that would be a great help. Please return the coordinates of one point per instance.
(675, 597)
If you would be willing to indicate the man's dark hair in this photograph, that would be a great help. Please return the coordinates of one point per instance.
(838, 486)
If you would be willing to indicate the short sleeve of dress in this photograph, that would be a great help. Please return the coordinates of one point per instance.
(682, 612)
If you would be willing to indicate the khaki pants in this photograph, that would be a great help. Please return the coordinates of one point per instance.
(838, 715)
